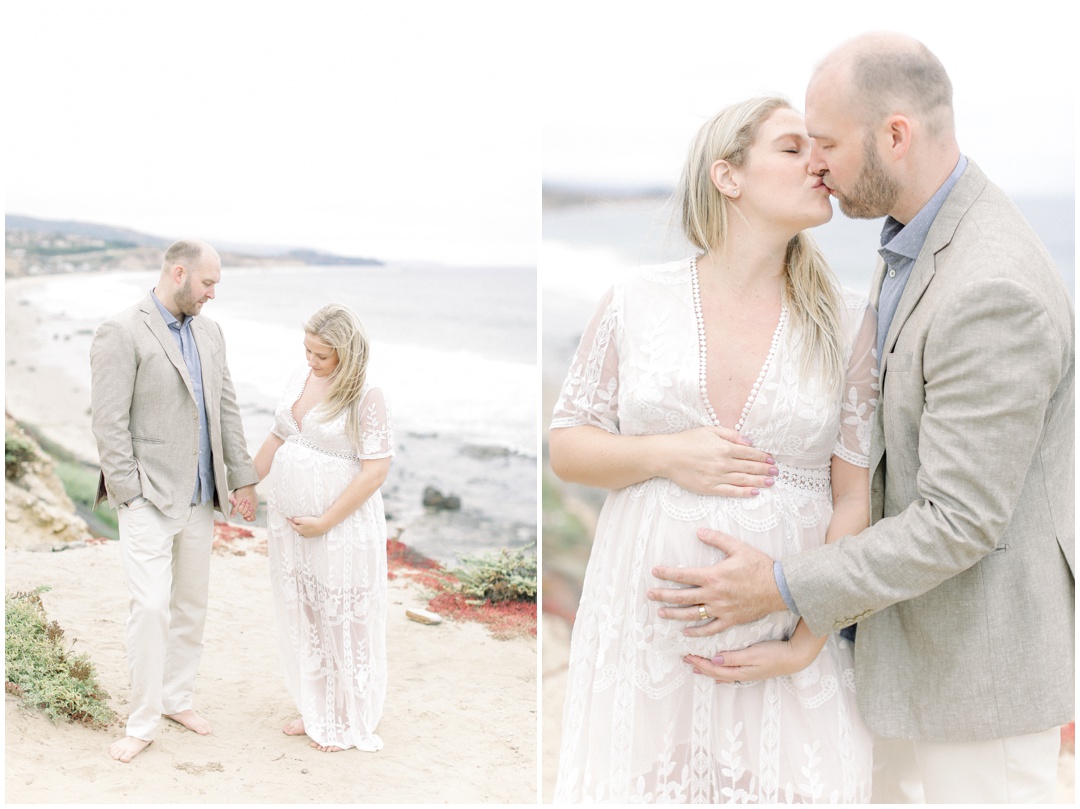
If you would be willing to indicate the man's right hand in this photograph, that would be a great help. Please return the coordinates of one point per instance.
(738, 589)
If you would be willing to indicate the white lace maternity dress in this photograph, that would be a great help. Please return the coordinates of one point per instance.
(639, 725)
(330, 591)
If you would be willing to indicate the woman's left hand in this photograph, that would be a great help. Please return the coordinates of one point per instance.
(308, 527)
(770, 658)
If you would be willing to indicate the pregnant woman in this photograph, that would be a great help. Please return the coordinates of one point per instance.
(326, 457)
(751, 337)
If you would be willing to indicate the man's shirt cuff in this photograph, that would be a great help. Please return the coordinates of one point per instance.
(781, 584)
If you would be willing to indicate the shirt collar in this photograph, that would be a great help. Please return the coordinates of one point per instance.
(906, 241)
(170, 319)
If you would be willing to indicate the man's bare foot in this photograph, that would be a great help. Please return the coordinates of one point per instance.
(192, 721)
(127, 748)
(294, 728)
(329, 748)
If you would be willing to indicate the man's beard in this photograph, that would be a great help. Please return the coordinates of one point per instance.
(186, 301)
(874, 193)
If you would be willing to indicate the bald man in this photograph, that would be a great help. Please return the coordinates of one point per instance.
(963, 586)
(172, 448)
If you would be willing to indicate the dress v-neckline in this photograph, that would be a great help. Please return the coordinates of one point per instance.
(703, 355)
(299, 425)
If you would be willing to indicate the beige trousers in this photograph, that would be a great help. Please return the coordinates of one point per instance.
(167, 567)
(1017, 769)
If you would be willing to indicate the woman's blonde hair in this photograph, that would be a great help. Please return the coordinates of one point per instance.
(340, 328)
(811, 291)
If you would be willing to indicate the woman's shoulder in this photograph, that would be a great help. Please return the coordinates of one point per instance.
(670, 273)
(648, 283)
(371, 392)
(850, 299)
(297, 377)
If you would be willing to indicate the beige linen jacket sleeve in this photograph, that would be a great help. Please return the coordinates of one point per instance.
(144, 415)
(963, 585)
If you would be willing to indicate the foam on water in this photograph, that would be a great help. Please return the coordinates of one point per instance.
(474, 399)
(581, 271)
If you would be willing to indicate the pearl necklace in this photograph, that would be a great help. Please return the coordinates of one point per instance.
(703, 358)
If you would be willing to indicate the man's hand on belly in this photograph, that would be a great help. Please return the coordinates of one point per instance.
(736, 590)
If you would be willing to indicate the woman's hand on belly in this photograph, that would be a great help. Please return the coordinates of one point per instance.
(716, 461)
(769, 658)
(308, 527)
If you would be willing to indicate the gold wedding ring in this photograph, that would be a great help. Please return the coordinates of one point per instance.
(703, 612)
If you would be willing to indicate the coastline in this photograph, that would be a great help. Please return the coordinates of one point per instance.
(41, 386)
(47, 374)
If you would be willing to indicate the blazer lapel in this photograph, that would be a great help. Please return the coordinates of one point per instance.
(967, 188)
(156, 323)
(876, 282)
(956, 205)
(205, 343)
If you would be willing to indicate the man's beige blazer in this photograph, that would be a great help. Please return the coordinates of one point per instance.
(144, 415)
(963, 585)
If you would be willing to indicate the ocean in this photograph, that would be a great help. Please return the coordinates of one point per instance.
(454, 350)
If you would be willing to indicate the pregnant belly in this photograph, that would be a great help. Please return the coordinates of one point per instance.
(306, 482)
(638, 533)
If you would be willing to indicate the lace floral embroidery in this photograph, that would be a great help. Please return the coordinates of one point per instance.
(669, 735)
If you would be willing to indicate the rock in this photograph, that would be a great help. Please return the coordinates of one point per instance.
(435, 499)
(39, 512)
(423, 616)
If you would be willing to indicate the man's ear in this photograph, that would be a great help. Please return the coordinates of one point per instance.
(723, 179)
(896, 132)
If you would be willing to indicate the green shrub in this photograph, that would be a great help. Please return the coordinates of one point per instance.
(18, 454)
(499, 576)
(42, 673)
(80, 483)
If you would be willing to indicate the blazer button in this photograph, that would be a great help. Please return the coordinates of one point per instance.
(194, 452)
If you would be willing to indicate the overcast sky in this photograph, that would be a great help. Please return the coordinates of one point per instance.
(390, 129)
(413, 130)
(625, 91)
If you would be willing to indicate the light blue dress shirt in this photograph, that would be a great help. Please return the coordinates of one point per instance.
(185, 341)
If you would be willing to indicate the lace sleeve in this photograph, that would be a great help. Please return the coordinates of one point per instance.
(376, 426)
(860, 394)
(590, 394)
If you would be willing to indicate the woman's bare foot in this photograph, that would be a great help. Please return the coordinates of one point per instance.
(329, 748)
(294, 728)
(192, 721)
(127, 748)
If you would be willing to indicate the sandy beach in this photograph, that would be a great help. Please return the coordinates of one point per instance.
(42, 386)
(459, 724)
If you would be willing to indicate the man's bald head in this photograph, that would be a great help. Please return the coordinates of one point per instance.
(187, 253)
(189, 274)
(883, 73)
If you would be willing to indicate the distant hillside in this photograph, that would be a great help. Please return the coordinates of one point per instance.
(45, 246)
(556, 195)
(88, 230)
